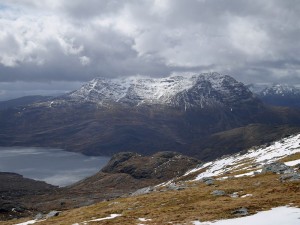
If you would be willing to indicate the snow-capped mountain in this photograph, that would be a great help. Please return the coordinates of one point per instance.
(281, 90)
(181, 113)
(277, 94)
(181, 91)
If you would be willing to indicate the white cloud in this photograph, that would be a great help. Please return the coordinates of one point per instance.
(248, 37)
(84, 60)
(40, 40)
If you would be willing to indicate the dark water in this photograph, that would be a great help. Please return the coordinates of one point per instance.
(53, 166)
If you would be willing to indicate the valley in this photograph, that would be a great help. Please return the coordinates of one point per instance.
(54, 166)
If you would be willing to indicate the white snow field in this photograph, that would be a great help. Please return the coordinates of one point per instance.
(257, 156)
(277, 216)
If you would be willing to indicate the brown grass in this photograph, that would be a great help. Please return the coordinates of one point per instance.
(190, 204)
(290, 157)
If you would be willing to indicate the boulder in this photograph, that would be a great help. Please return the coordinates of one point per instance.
(218, 193)
(176, 187)
(293, 177)
(208, 180)
(143, 191)
(52, 214)
(277, 167)
(39, 216)
(234, 195)
(241, 212)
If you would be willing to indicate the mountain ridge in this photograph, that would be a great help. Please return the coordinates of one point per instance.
(96, 125)
(190, 91)
(277, 94)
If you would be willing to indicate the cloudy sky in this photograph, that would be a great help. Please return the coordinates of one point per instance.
(53, 46)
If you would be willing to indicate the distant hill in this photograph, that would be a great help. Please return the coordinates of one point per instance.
(23, 101)
(278, 94)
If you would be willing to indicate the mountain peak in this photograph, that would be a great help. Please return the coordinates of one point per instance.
(281, 90)
(186, 90)
(277, 94)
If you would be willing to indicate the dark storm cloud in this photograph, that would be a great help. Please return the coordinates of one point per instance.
(70, 41)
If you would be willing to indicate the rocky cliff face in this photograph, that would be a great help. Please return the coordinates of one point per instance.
(161, 165)
(127, 171)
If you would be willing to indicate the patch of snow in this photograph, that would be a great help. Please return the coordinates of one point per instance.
(142, 89)
(198, 168)
(144, 219)
(246, 174)
(27, 223)
(258, 156)
(164, 184)
(112, 216)
(292, 163)
(246, 195)
(276, 216)
(217, 168)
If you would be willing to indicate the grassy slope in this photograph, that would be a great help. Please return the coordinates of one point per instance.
(193, 203)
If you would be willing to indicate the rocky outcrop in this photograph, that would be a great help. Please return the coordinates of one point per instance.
(218, 193)
(241, 212)
(161, 166)
(16, 190)
(208, 180)
(292, 177)
(277, 167)
(52, 214)
(128, 171)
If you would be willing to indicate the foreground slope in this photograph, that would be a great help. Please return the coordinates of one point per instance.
(222, 189)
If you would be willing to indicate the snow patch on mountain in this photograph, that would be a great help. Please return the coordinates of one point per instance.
(132, 88)
(253, 159)
(281, 90)
(274, 89)
(201, 89)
